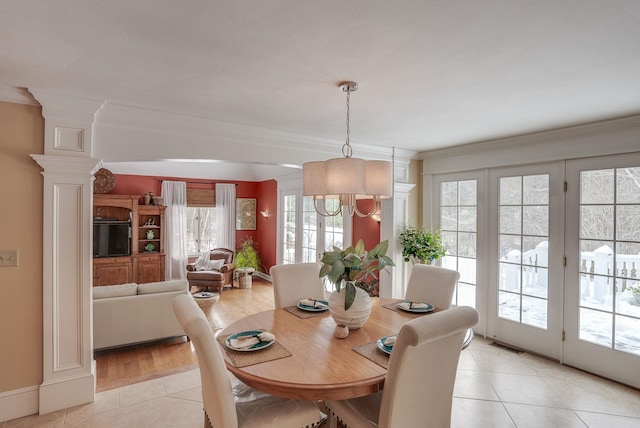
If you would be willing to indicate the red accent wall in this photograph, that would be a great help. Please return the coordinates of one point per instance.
(264, 192)
(267, 227)
(366, 228)
(266, 196)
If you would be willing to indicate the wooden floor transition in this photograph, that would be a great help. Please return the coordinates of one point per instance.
(132, 364)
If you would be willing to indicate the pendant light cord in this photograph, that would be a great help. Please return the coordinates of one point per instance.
(346, 149)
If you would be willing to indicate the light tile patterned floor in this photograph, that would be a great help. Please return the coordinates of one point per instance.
(494, 388)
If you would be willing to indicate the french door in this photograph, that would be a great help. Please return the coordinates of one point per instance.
(525, 276)
(602, 316)
(304, 233)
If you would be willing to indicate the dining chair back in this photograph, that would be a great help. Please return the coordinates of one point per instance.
(418, 388)
(294, 282)
(221, 407)
(432, 284)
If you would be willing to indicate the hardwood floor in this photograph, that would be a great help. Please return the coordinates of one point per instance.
(132, 364)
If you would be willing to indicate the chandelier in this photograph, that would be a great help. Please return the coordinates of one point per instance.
(347, 179)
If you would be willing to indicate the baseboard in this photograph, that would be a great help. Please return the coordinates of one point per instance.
(68, 392)
(263, 275)
(18, 403)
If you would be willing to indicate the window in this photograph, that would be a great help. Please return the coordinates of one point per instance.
(458, 223)
(201, 220)
(201, 229)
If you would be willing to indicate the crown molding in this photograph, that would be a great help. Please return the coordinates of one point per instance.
(12, 94)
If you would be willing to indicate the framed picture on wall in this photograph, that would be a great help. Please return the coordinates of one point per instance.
(245, 214)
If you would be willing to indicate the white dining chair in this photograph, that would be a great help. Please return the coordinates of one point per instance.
(418, 388)
(294, 282)
(223, 408)
(432, 284)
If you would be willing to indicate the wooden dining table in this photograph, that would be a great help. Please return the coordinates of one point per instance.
(320, 366)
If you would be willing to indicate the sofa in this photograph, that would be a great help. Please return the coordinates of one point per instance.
(125, 314)
(213, 275)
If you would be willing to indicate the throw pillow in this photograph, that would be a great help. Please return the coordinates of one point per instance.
(216, 264)
(203, 261)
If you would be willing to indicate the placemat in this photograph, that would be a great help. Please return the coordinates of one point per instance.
(244, 358)
(371, 352)
(394, 307)
(304, 314)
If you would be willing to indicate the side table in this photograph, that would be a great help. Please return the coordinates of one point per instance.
(206, 301)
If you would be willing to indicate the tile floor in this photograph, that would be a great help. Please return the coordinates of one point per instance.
(494, 388)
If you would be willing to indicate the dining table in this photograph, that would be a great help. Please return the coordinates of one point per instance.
(307, 361)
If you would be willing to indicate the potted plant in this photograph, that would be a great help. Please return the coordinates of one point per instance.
(421, 246)
(349, 271)
(635, 290)
(247, 262)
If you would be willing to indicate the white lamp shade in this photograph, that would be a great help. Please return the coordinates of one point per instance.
(378, 179)
(345, 176)
(313, 178)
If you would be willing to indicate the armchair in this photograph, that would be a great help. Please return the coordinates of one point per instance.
(213, 279)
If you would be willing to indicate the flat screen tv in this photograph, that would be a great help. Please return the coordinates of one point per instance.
(111, 238)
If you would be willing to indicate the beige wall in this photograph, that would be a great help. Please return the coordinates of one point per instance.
(21, 134)
(415, 194)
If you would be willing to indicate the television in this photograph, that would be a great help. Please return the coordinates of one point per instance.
(111, 238)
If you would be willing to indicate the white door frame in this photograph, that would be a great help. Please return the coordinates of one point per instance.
(607, 362)
(547, 341)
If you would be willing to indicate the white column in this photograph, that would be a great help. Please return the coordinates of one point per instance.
(68, 365)
(394, 216)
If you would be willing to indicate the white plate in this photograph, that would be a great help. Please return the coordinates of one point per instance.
(256, 347)
(384, 348)
(313, 308)
(429, 308)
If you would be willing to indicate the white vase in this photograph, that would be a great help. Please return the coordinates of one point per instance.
(356, 315)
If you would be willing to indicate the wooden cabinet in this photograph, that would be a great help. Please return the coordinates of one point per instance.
(112, 270)
(146, 259)
(150, 268)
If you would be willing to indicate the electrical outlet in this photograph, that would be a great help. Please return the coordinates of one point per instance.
(8, 257)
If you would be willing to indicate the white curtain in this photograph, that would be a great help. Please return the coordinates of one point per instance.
(174, 194)
(226, 216)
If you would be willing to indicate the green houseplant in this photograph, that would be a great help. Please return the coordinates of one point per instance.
(247, 255)
(352, 267)
(247, 262)
(421, 246)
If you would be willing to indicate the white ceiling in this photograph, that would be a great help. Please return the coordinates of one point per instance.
(432, 74)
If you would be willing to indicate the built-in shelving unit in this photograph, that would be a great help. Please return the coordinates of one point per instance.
(146, 259)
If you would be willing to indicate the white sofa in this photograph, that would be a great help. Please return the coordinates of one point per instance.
(125, 314)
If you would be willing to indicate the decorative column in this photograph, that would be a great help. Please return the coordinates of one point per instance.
(68, 365)
(394, 216)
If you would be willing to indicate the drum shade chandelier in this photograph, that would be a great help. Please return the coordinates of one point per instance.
(347, 179)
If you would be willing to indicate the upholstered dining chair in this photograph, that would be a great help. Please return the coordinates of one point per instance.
(418, 388)
(221, 407)
(294, 282)
(432, 284)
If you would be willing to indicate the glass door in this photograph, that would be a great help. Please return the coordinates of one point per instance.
(304, 234)
(526, 257)
(603, 261)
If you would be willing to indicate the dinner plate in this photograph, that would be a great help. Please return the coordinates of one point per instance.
(384, 348)
(429, 308)
(313, 308)
(256, 347)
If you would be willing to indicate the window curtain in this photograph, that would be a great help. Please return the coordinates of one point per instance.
(226, 216)
(174, 194)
